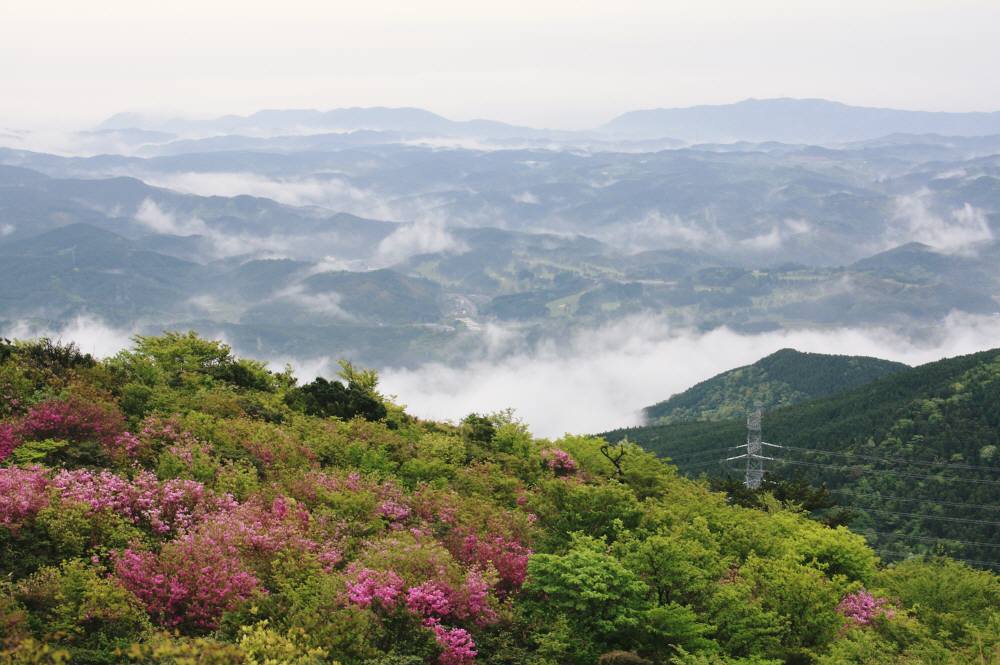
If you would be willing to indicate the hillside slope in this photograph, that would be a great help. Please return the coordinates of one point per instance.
(783, 378)
(176, 504)
(929, 435)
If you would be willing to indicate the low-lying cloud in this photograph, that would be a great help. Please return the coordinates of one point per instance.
(957, 232)
(596, 379)
(600, 379)
(423, 237)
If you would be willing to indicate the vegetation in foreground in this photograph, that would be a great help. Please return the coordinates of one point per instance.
(176, 504)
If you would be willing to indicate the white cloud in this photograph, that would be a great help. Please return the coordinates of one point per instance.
(151, 215)
(600, 379)
(92, 335)
(6, 229)
(421, 237)
(914, 220)
(326, 304)
(596, 379)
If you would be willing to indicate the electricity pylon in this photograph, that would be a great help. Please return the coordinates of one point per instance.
(755, 459)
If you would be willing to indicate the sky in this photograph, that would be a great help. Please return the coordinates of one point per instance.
(555, 63)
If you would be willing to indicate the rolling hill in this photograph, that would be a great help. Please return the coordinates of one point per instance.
(781, 379)
(915, 454)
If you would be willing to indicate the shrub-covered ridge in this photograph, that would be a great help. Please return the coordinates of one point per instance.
(176, 504)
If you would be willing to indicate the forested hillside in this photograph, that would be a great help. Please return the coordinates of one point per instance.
(915, 454)
(176, 504)
(783, 378)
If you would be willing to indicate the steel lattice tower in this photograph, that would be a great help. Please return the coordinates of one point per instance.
(755, 460)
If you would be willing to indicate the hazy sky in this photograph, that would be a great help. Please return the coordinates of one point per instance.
(572, 63)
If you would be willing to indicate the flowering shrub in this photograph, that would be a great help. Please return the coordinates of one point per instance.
(23, 492)
(72, 419)
(861, 608)
(372, 585)
(456, 644)
(9, 440)
(559, 461)
(393, 511)
(191, 583)
(507, 556)
(166, 507)
(429, 599)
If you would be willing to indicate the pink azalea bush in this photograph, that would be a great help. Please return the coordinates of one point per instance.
(165, 506)
(23, 492)
(72, 419)
(456, 644)
(9, 440)
(370, 586)
(559, 461)
(430, 599)
(507, 556)
(191, 583)
(861, 608)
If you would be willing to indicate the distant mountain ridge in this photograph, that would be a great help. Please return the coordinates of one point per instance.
(787, 120)
(374, 118)
(783, 378)
(796, 121)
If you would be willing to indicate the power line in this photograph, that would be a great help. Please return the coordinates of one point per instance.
(932, 517)
(888, 460)
(931, 539)
(700, 453)
(886, 497)
(905, 555)
(979, 481)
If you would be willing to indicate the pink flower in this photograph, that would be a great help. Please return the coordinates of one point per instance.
(393, 510)
(429, 599)
(73, 419)
(508, 557)
(559, 461)
(9, 440)
(372, 585)
(861, 608)
(193, 581)
(456, 644)
(23, 492)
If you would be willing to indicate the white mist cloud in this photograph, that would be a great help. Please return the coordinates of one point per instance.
(595, 379)
(333, 193)
(158, 220)
(326, 304)
(92, 335)
(914, 220)
(6, 229)
(600, 379)
(422, 237)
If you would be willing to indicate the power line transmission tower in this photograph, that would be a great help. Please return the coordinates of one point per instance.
(755, 460)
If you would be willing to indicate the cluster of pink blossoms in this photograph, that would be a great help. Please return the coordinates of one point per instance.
(861, 608)
(433, 601)
(72, 419)
(9, 440)
(373, 585)
(507, 556)
(559, 461)
(456, 644)
(23, 492)
(167, 507)
(191, 583)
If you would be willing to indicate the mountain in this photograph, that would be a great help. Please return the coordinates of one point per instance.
(916, 453)
(783, 378)
(179, 504)
(795, 121)
(283, 121)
